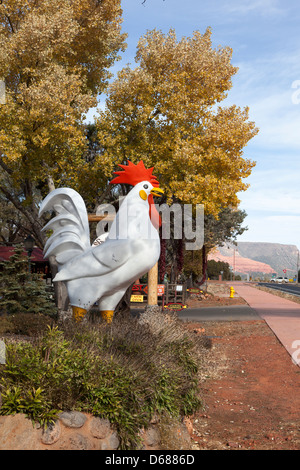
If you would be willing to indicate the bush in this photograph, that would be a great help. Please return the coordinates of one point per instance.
(214, 269)
(125, 372)
(26, 324)
(22, 291)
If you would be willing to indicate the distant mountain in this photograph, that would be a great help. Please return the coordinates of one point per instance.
(278, 256)
(257, 257)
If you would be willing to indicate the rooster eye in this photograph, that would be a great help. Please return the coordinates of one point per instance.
(145, 186)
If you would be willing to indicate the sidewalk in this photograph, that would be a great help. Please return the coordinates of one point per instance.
(282, 315)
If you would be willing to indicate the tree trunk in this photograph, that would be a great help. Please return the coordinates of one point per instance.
(60, 290)
(204, 266)
(51, 184)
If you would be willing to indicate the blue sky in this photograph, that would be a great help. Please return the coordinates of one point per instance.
(264, 36)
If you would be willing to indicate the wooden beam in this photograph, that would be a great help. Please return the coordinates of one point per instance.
(98, 218)
(152, 285)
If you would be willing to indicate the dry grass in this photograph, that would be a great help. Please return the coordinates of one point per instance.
(284, 295)
(218, 289)
(215, 361)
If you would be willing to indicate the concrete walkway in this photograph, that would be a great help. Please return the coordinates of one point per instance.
(282, 315)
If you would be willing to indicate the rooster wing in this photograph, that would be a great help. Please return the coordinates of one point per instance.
(100, 260)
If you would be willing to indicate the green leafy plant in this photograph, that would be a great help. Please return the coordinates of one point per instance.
(32, 404)
(125, 372)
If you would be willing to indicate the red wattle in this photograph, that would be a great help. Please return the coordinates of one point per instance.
(153, 213)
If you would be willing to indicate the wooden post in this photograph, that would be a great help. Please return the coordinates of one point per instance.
(98, 218)
(152, 285)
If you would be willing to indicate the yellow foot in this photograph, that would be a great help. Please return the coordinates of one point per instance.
(78, 313)
(107, 315)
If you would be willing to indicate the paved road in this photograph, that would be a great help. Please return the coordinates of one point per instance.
(232, 313)
(290, 288)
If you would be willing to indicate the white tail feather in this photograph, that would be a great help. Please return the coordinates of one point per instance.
(71, 234)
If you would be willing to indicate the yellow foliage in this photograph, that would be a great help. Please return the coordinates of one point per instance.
(166, 111)
(54, 57)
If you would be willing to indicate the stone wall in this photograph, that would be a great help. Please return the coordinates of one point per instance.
(79, 431)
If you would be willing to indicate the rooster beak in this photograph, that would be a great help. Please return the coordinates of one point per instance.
(157, 192)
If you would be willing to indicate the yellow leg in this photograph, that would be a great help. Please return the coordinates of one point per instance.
(107, 315)
(78, 313)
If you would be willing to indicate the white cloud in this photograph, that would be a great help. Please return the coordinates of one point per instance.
(270, 89)
(278, 123)
(272, 201)
(263, 7)
(273, 206)
(272, 191)
(273, 229)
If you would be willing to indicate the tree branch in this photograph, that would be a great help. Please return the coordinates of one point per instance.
(5, 167)
(10, 23)
(34, 222)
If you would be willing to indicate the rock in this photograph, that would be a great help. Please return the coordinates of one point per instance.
(174, 435)
(80, 431)
(189, 425)
(72, 419)
(183, 437)
(79, 442)
(100, 428)
(151, 437)
(113, 441)
(51, 434)
(233, 445)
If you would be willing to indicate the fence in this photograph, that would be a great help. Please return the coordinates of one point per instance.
(165, 293)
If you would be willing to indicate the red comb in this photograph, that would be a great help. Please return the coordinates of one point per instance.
(134, 174)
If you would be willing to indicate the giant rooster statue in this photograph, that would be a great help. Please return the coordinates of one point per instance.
(103, 273)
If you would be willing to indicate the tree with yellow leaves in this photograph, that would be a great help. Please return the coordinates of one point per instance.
(166, 111)
(54, 58)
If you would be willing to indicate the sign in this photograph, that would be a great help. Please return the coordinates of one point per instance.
(175, 306)
(194, 290)
(160, 289)
(284, 270)
(137, 298)
(142, 289)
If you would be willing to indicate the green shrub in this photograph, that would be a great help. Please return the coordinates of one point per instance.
(22, 291)
(125, 372)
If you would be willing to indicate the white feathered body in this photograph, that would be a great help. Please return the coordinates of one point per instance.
(100, 273)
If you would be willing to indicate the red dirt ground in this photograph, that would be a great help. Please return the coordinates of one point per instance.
(252, 398)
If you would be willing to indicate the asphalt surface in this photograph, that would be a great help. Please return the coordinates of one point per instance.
(231, 313)
(290, 288)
